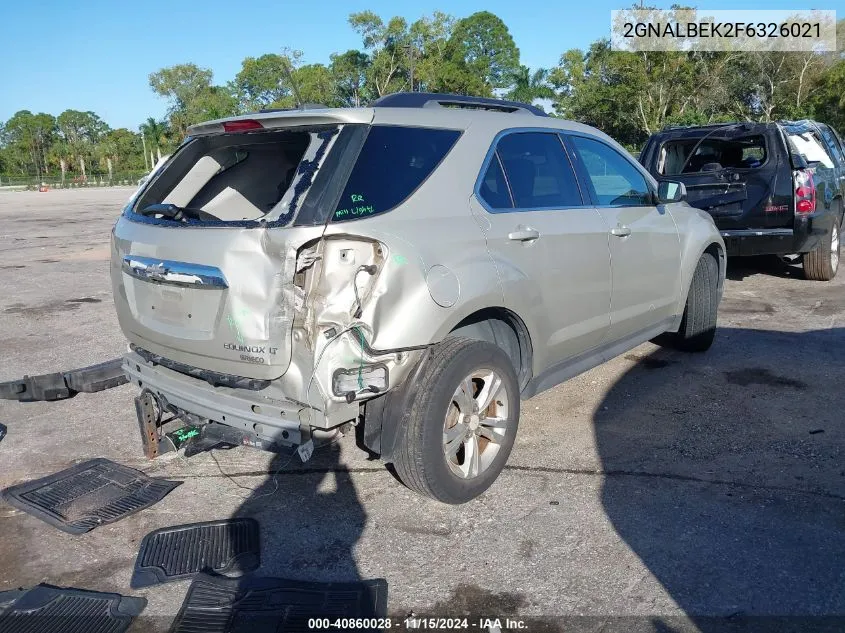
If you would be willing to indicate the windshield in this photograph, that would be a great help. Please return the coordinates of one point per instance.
(247, 177)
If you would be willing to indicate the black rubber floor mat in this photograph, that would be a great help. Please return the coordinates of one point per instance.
(46, 609)
(227, 547)
(84, 496)
(215, 604)
(8, 597)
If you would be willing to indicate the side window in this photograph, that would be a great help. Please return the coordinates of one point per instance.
(839, 142)
(614, 179)
(494, 189)
(832, 145)
(393, 162)
(809, 144)
(538, 171)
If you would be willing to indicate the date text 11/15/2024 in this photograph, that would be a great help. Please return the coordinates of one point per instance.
(414, 623)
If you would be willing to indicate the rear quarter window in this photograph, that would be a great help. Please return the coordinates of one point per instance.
(393, 162)
(808, 143)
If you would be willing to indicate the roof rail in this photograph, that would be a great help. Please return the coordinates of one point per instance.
(439, 100)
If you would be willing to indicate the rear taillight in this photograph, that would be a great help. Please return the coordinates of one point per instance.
(805, 191)
(242, 126)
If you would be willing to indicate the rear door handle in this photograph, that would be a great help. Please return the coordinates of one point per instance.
(620, 231)
(524, 234)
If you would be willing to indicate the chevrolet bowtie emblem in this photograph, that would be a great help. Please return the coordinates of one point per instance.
(158, 271)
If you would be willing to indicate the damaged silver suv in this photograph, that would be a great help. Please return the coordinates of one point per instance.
(416, 267)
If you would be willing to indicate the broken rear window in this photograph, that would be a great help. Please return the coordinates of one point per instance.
(393, 162)
(237, 177)
(712, 154)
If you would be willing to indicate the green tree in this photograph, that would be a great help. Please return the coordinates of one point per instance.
(827, 100)
(81, 132)
(156, 133)
(424, 55)
(528, 87)
(124, 148)
(631, 95)
(28, 138)
(349, 71)
(215, 102)
(181, 83)
(387, 43)
(192, 97)
(62, 156)
(484, 43)
(81, 127)
(314, 84)
(774, 85)
(427, 49)
(262, 81)
(455, 77)
(593, 88)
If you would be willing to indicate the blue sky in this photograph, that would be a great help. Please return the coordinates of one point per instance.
(96, 55)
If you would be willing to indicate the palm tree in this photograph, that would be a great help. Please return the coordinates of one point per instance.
(527, 87)
(155, 132)
(61, 154)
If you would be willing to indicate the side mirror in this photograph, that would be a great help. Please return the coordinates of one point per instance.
(671, 191)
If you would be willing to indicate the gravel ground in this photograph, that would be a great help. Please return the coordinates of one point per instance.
(658, 492)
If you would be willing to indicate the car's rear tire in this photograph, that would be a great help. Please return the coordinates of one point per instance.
(822, 263)
(461, 423)
(698, 324)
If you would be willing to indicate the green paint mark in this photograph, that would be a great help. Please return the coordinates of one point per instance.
(354, 211)
(183, 435)
(357, 197)
(361, 363)
(400, 260)
(235, 321)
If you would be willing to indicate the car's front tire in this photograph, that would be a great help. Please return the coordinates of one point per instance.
(698, 324)
(461, 423)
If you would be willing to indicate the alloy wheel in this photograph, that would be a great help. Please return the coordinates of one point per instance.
(476, 423)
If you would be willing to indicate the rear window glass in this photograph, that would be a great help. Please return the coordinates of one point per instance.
(393, 162)
(236, 177)
(713, 154)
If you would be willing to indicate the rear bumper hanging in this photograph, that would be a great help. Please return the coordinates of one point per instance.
(63, 385)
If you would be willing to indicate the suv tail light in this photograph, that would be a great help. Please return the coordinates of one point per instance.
(805, 191)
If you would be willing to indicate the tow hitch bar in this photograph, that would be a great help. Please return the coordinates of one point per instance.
(67, 384)
(194, 437)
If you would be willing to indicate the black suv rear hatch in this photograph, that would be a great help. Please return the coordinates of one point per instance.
(735, 172)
